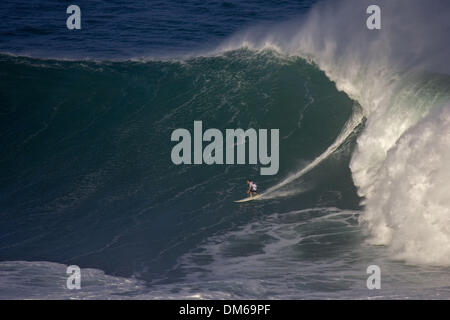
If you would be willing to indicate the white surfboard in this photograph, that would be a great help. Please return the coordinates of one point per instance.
(249, 198)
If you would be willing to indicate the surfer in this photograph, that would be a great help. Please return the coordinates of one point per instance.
(251, 188)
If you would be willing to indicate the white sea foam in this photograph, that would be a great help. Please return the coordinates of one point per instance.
(48, 280)
(400, 77)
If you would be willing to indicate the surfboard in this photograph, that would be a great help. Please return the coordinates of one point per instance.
(249, 199)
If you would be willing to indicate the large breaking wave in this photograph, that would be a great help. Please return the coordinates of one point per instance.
(87, 177)
(400, 75)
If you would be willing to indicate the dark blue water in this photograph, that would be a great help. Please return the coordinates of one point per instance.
(86, 176)
(118, 29)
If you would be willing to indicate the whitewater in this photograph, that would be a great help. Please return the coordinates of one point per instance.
(364, 118)
(400, 78)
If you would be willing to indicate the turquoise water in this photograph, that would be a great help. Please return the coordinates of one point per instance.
(87, 179)
(87, 152)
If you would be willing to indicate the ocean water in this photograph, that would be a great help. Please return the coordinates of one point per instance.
(86, 176)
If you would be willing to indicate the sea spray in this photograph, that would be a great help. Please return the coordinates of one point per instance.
(398, 74)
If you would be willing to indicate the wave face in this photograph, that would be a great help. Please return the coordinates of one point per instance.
(364, 137)
(86, 172)
(400, 77)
